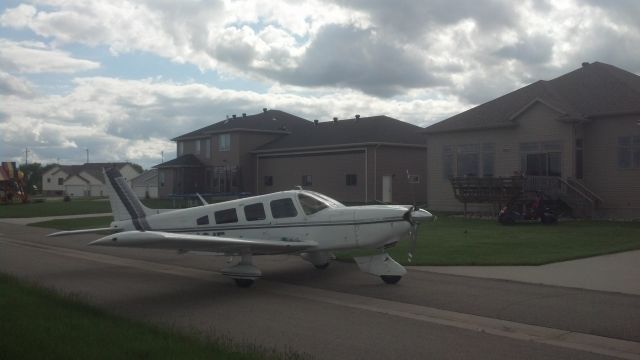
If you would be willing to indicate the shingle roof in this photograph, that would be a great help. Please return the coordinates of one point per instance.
(375, 129)
(593, 90)
(187, 160)
(270, 120)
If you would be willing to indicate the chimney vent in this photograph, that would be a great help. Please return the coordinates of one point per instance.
(234, 116)
(264, 109)
(315, 122)
(244, 114)
(335, 119)
(357, 116)
(585, 64)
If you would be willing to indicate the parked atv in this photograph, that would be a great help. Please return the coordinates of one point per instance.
(529, 206)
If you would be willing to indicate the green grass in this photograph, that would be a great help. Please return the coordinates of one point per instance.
(54, 208)
(36, 323)
(458, 241)
(76, 224)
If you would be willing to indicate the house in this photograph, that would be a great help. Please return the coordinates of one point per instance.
(577, 135)
(81, 180)
(354, 160)
(145, 185)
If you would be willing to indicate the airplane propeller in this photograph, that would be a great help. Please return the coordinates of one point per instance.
(415, 216)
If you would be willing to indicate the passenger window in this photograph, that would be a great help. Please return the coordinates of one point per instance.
(311, 205)
(204, 220)
(283, 208)
(254, 212)
(226, 216)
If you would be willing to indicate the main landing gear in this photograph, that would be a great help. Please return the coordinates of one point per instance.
(381, 265)
(243, 273)
(319, 259)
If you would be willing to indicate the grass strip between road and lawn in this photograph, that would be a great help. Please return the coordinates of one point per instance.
(38, 323)
(458, 241)
(54, 208)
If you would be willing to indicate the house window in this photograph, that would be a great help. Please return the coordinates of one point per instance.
(48, 180)
(413, 179)
(283, 208)
(180, 148)
(226, 216)
(629, 152)
(447, 162)
(161, 174)
(197, 146)
(352, 179)
(60, 181)
(254, 212)
(306, 180)
(488, 159)
(268, 181)
(468, 160)
(541, 159)
(224, 142)
(207, 148)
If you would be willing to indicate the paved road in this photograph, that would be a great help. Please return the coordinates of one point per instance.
(337, 313)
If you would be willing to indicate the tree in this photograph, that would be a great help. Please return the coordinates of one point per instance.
(33, 176)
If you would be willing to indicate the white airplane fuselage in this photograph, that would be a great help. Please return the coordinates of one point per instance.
(335, 227)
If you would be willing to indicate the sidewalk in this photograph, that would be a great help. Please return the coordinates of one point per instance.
(26, 221)
(614, 273)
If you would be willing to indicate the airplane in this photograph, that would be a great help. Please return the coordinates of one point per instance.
(301, 222)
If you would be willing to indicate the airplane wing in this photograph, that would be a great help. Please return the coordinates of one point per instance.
(182, 242)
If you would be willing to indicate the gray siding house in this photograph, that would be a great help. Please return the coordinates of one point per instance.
(578, 133)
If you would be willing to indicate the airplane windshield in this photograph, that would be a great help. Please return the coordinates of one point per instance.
(327, 200)
(311, 205)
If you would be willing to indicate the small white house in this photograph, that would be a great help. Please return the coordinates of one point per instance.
(82, 180)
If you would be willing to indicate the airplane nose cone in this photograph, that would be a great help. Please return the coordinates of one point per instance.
(419, 216)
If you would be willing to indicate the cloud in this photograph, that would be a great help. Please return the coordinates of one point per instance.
(11, 85)
(37, 57)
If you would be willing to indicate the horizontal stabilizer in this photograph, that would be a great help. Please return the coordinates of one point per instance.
(81, 231)
(226, 245)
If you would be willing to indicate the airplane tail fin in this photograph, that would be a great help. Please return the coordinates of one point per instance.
(125, 205)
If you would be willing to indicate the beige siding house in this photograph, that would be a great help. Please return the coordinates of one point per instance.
(579, 133)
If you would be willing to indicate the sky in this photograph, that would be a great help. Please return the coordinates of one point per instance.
(118, 79)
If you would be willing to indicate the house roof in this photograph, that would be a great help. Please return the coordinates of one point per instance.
(273, 121)
(186, 160)
(93, 169)
(594, 90)
(366, 130)
(147, 175)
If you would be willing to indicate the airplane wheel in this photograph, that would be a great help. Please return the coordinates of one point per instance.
(244, 283)
(322, 267)
(391, 279)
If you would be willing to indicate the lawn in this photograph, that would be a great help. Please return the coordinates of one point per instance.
(55, 208)
(459, 241)
(36, 323)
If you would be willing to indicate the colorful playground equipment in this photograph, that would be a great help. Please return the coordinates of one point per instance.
(12, 184)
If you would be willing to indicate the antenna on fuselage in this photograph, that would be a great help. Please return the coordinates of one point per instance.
(204, 202)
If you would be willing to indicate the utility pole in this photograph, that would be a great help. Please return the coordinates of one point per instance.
(162, 155)
(26, 156)
(87, 149)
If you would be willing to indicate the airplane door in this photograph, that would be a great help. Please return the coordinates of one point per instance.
(386, 188)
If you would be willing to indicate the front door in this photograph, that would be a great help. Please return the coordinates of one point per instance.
(386, 189)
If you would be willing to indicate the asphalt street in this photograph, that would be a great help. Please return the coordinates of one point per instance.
(335, 313)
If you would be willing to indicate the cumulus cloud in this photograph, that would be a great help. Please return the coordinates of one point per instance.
(12, 85)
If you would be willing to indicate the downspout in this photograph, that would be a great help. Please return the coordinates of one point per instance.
(375, 172)
(366, 176)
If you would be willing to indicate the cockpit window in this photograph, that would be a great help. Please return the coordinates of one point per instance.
(283, 208)
(254, 212)
(311, 205)
(329, 201)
